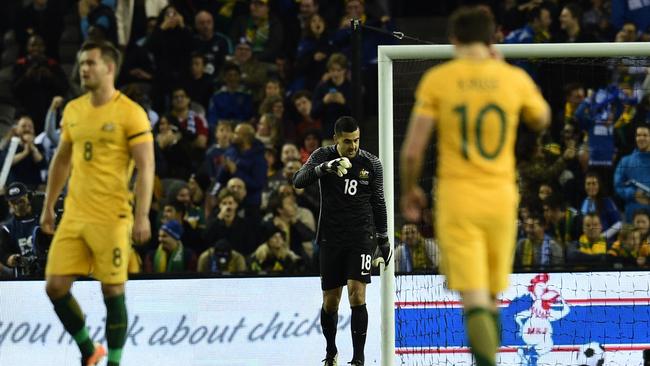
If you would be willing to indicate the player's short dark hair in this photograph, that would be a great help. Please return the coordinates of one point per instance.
(177, 206)
(345, 124)
(106, 49)
(469, 24)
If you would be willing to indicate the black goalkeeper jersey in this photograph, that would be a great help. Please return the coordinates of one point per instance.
(352, 207)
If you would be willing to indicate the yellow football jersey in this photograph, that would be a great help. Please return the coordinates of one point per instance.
(476, 105)
(98, 189)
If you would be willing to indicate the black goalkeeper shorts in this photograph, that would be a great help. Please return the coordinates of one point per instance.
(338, 264)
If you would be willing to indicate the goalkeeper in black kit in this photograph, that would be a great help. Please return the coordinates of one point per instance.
(352, 225)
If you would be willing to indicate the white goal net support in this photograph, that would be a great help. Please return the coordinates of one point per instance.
(435, 337)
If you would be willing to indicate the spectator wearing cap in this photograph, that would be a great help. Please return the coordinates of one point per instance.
(191, 237)
(171, 256)
(275, 257)
(22, 247)
(29, 160)
(222, 259)
(232, 101)
(254, 73)
(36, 79)
(263, 30)
(214, 46)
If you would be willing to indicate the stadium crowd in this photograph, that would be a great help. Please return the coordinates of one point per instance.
(239, 94)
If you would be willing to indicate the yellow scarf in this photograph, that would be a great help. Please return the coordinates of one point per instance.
(595, 248)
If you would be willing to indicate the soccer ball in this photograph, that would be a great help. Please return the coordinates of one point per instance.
(591, 354)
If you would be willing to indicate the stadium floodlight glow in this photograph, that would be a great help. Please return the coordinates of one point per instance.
(386, 56)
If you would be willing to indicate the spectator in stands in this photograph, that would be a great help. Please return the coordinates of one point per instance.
(275, 257)
(591, 247)
(262, 30)
(269, 130)
(232, 101)
(597, 202)
(332, 96)
(628, 250)
(545, 165)
(633, 175)
(274, 176)
(44, 18)
(537, 30)
(49, 138)
(538, 249)
(289, 152)
(171, 45)
(191, 236)
(139, 66)
(214, 157)
(94, 14)
(274, 105)
(253, 72)
(572, 31)
(284, 211)
(413, 253)
(199, 85)
(133, 17)
(314, 49)
(214, 46)
(545, 190)
(225, 224)
(22, 247)
(192, 126)
(222, 259)
(641, 222)
(636, 11)
(304, 213)
(29, 160)
(171, 256)
(574, 96)
(302, 102)
(311, 140)
(308, 197)
(245, 160)
(174, 151)
(596, 20)
(628, 33)
(562, 221)
(194, 215)
(36, 79)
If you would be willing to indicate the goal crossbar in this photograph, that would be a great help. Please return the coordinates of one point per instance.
(386, 55)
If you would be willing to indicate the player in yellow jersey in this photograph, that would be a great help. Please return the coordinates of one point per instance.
(475, 102)
(103, 133)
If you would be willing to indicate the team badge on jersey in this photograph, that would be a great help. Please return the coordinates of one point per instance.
(108, 127)
(363, 176)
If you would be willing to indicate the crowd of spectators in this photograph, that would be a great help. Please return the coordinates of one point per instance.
(239, 93)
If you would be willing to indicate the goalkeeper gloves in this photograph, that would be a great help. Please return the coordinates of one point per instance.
(383, 253)
(337, 166)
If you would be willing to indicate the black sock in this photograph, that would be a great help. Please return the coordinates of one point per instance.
(328, 323)
(359, 326)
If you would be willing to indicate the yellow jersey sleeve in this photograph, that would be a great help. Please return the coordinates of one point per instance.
(426, 97)
(533, 104)
(65, 134)
(138, 128)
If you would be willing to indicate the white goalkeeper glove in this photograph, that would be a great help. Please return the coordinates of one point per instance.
(337, 166)
(383, 253)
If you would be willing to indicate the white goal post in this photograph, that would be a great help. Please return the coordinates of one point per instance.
(386, 55)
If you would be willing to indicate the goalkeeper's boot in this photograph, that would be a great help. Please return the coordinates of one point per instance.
(356, 363)
(96, 357)
(330, 360)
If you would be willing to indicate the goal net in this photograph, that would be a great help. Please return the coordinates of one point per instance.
(602, 315)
